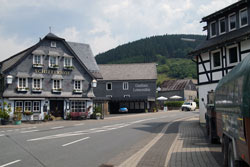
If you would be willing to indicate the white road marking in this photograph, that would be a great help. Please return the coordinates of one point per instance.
(29, 131)
(9, 130)
(10, 163)
(57, 127)
(2, 135)
(2, 131)
(79, 124)
(75, 141)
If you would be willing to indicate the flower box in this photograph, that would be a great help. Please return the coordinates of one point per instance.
(22, 89)
(68, 67)
(36, 90)
(38, 65)
(77, 91)
(59, 90)
(54, 66)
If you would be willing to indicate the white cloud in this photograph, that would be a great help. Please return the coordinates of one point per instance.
(70, 34)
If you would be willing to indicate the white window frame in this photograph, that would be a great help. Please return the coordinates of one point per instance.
(53, 44)
(244, 9)
(223, 18)
(34, 86)
(212, 59)
(107, 85)
(39, 106)
(229, 27)
(21, 102)
(26, 83)
(228, 61)
(75, 88)
(27, 106)
(125, 86)
(70, 62)
(56, 63)
(60, 84)
(41, 59)
(212, 36)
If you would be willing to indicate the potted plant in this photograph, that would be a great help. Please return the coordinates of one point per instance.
(18, 116)
(98, 112)
(4, 114)
(27, 114)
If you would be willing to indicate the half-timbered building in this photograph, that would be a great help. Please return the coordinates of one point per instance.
(227, 43)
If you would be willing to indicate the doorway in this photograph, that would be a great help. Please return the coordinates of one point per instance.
(56, 108)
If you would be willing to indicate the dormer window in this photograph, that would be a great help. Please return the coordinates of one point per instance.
(22, 84)
(212, 29)
(78, 86)
(53, 62)
(232, 22)
(37, 61)
(68, 63)
(243, 17)
(53, 44)
(222, 25)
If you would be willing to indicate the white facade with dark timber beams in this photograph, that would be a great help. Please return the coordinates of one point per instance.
(227, 44)
(53, 76)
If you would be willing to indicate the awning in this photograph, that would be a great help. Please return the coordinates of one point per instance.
(23, 98)
(53, 53)
(37, 75)
(57, 76)
(78, 77)
(38, 52)
(66, 55)
(22, 75)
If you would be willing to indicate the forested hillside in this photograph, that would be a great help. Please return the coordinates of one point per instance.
(168, 51)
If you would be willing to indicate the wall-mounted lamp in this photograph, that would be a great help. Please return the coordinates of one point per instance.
(94, 83)
(9, 79)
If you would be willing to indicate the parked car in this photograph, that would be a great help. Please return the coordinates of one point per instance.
(123, 109)
(188, 106)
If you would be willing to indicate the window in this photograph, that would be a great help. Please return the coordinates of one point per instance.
(142, 105)
(53, 44)
(109, 86)
(126, 96)
(233, 55)
(67, 62)
(191, 98)
(78, 106)
(77, 85)
(53, 61)
(37, 85)
(27, 106)
(213, 29)
(232, 22)
(216, 59)
(36, 106)
(109, 96)
(125, 85)
(57, 85)
(19, 106)
(22, 83)
(243, 17)
(37, 60)
(222, 26)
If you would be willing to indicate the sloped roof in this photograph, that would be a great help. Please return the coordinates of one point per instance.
(174, 84)
(220, 40)
(146, 71)
(85, 54)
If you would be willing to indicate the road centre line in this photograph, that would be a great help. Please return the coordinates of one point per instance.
(29, 131)
(75, 141)
(57, 127)
(10, 163)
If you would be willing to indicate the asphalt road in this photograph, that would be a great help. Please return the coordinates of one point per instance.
(87, 143)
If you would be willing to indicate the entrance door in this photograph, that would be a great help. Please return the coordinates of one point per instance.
(56, 108)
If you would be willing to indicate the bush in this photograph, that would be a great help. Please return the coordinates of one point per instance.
(197, 102)
(174, 103)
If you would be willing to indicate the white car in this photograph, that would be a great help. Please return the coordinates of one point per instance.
(188, 106)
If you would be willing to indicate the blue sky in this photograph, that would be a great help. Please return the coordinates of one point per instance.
(104, 24)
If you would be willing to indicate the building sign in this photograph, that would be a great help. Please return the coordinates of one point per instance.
(141, 88)
(43, 71)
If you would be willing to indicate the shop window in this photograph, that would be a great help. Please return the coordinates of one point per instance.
(232, 22)
(137, 105)
(125, 85)
(19, 106)
(222, 25)
(131, 105)
(243, 17)
(216, 59)
(233, 55)
(142, 105)
(78, 106)
(27, 106)
(213, 29)
(109, 86)
(36, 106)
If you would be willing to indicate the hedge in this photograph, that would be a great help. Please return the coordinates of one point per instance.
(174, 103)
